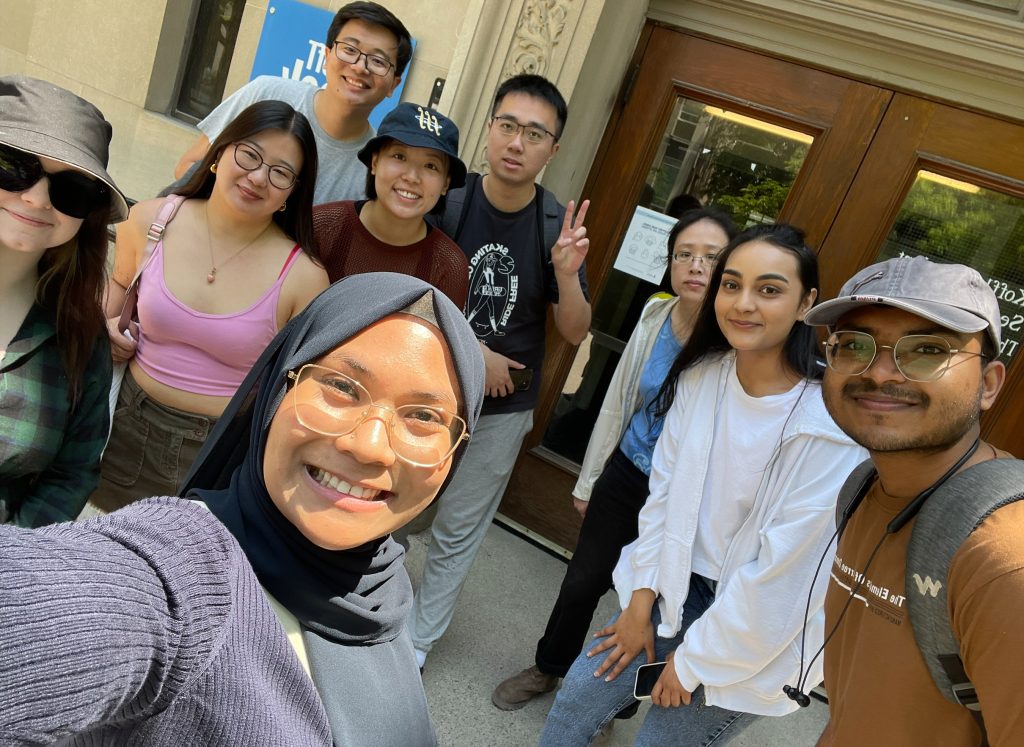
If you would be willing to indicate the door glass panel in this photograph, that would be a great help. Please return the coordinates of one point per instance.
(706, 155)
(950, 220)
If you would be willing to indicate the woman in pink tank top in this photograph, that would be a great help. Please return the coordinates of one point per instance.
(236, 260)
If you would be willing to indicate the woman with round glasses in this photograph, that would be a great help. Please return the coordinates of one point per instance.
(271, 607)
(56, 200)
(743, 487)
(612, 486)
(235, 261)
(410, 165)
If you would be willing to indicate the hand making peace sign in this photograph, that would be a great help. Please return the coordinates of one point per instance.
(571, 248)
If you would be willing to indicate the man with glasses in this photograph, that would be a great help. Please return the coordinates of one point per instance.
(912, 364)
(368, 49)
(525, 251)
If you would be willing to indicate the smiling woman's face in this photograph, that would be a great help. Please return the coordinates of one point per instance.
(343, 491)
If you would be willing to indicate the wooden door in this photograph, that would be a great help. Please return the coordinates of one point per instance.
(677, 75)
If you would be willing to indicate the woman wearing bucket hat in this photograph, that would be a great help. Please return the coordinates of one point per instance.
(411, 164)
(56, 200)
(221, 268)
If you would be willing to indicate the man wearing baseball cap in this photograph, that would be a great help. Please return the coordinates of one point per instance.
(911, 353)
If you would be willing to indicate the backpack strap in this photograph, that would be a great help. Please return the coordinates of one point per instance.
(947, 519)
(853, 492)
(457, 207)
(553, 214)
(167, 211)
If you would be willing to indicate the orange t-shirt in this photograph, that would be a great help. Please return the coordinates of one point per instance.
(880, 690)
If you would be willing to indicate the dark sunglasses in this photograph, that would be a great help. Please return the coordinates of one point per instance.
(71, 192)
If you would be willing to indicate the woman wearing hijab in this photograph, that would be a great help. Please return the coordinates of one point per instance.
(56, 200)
(350, 423)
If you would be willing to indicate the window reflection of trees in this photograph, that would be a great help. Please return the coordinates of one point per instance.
(983, 228)
(739, 168)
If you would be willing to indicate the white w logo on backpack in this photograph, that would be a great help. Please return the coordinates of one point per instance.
(927, 586)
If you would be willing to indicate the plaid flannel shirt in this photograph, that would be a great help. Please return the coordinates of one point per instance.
(49, 451)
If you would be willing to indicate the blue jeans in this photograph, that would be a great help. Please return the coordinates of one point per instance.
(585, 703)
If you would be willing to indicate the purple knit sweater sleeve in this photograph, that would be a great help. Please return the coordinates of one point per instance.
(144, 627)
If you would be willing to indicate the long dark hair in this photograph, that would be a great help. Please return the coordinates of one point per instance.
(296, 220)
(71, 281)
(800, 350)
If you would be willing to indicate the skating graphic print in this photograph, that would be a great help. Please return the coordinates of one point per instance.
(493, 286)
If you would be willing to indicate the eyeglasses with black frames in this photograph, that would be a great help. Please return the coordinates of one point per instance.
(376, 64)
(332, 404)
(917, 357)
(247, 158)
(509, 126)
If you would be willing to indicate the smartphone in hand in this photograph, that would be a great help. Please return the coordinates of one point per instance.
(646, 678)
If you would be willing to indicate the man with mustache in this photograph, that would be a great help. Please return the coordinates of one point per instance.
(912, 356)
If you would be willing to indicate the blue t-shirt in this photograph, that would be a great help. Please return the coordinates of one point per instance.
(644, 427)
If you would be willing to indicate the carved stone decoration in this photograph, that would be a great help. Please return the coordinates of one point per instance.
(541, 23)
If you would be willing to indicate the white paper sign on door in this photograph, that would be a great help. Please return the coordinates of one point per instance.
(643, 251)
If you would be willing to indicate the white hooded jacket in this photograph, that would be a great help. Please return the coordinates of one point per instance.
(746, 646)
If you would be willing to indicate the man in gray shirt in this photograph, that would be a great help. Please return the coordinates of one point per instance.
(368, 49)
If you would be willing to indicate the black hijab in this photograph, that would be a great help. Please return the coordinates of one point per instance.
(348, 598)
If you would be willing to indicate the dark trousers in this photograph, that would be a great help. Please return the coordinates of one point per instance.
(609, 525)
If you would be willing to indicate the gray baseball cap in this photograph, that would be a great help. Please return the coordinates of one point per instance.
(44, 119)
(954, 296)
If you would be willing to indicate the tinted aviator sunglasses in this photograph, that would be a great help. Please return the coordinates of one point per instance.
(71, 192)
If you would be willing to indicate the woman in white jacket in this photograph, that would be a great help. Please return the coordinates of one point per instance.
(743, 487)
(615, 471)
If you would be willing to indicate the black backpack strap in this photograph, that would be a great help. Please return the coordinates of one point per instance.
(853, 491)
(552, 215)
(947, 519)
(457, 207)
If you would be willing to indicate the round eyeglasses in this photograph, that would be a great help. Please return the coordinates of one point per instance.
(533, 134)
(917, 357)
(280, 176)
(686, 257)
(333, 404)
(376, 64)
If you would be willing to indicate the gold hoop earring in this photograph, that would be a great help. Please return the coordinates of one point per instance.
(283, 208)
(213, 168)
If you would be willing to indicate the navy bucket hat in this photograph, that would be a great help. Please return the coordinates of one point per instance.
(420, 127)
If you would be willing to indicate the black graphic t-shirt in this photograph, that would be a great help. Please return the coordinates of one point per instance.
(511, 283)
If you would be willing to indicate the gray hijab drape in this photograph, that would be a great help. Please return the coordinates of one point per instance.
(352, 604)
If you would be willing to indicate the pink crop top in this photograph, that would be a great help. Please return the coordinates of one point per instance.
(196, 352)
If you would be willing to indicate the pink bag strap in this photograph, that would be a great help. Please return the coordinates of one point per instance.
(156, 232)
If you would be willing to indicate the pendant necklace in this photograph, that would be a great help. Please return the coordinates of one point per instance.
(211, 276)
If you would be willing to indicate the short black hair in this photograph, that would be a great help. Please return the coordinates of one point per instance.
(540, 88)
(380, 16)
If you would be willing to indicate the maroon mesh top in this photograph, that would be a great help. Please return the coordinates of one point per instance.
(347, 248)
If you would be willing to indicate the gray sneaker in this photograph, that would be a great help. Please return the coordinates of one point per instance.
(520, 689)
